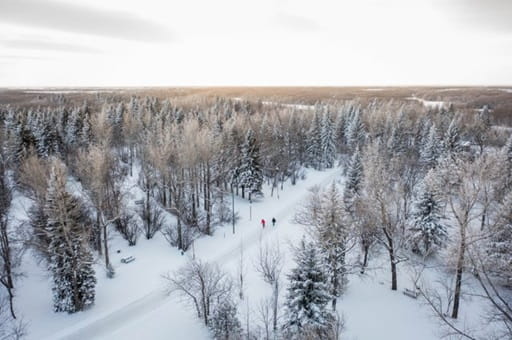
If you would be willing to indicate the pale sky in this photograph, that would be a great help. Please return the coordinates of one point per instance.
(257, 42)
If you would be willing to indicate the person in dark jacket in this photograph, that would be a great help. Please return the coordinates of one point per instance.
(273, 221)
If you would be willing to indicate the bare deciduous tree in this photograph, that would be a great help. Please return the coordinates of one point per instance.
(270, 264)
(384, 202)
(202, 284)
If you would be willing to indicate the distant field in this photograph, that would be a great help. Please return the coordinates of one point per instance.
(462, 98)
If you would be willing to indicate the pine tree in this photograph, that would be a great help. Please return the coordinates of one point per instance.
(314, 146)
(431, 149)
(307, 298)
(224, 322)
(70, 259)
(355, 131)
(85, 133)
(397, 143)
(499, 245)
(353, 181)
(332, 235)
(71, 128)
(250, 173)
(451, 141)
(328, 140)
(427, 231)
(506, 153)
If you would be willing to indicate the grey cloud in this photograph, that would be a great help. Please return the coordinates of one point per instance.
(494, 15)
(36, 44)
(80, 19)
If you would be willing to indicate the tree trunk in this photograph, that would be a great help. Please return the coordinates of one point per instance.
(148, 214)
(6, 278)
(276, 305)
(366, 249)
(164, 194)
(458, 278)
(392, 260)
(393, 271)
(131, 160)
(208, 204)
(484, 213)
(105, 245)
(97, 233)
(11, 301)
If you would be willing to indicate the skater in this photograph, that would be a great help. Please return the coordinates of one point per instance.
(262, 223)
(273, 221)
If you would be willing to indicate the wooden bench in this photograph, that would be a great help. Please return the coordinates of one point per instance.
(411, 293)
(127, 259)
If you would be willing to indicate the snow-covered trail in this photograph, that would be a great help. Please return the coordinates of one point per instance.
(108, 323)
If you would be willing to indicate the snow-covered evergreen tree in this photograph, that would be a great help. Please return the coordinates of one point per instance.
(355, 131)
(314, 145)
(308, 295)
(85, 133)
(499, 245)
(224, 322)
(431, 148)
(506, 155)
(70, 259)
(428, 232)
(250, 175)
(398, 142)
(328, 140)
(332, 235)
(451, 143)
(71, 128)
(353, 181)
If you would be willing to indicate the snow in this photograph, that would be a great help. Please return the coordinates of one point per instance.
(292, 106)
(134, 304)
(432, 104)
(506, 90)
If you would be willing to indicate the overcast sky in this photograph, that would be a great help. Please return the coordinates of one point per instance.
(257, 42)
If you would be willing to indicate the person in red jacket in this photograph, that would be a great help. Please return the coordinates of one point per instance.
(262, 223)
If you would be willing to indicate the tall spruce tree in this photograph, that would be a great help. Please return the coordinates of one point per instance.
(250, 175)
(427, 230)
(355, 133)
(353, 181)
(506, 165)
(328, 140)
(308, 295)
(451, 142)
(430, 149)
(70, 258)
(332, 233)
(499, 245)
(314, 146)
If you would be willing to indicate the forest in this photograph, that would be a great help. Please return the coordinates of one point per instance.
(420, 187)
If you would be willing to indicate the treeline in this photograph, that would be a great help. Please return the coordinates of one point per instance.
(407, 171)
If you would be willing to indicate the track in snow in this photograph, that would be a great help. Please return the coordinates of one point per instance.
(153, 300)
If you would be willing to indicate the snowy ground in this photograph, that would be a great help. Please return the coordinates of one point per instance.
(133, 305)
(431, 104)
